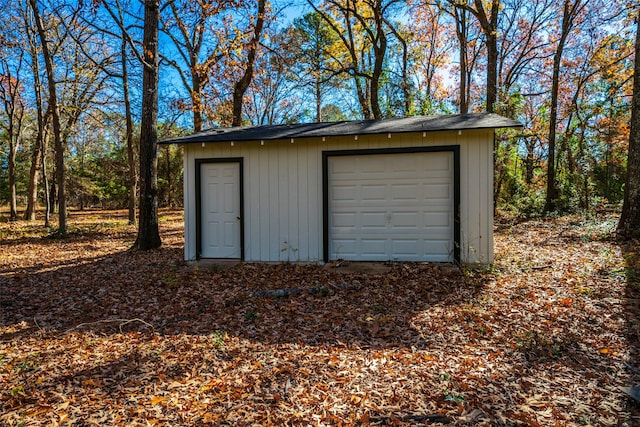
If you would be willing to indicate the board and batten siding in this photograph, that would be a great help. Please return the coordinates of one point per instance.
(283, 200)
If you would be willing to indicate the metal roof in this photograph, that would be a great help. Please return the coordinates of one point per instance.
(452, 122)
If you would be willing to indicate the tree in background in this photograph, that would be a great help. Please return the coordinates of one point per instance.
(304, 71)
(55, 116)
(429, 54)
(251, 47)
(311, 40)
(487, 15)
(13, 106)
(363, 28)
(629, 225)
(38, 155)
(269, 98)
(199, 32)
(148, 232)
(571, 10)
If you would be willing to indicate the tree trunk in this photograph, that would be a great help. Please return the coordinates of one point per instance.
(38, 149)
(148, 233)
(13, 205)
(53, 105)
(461, 31)
(552, 189)
(133, 176)
(14, 112)
(492, 71)
(169, 183)
(32, 189)
(241, 86)
(629, 225)
(45, 179)
(489, 25)
(37, 154)
(379, 52)
(379, 46)
(196, 97)
(318, 93)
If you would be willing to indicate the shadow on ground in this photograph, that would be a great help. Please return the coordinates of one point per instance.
(368, 304)
(631, 254)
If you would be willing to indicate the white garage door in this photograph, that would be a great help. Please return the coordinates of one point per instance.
(391, 207)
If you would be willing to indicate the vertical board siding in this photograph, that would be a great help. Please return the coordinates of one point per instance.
(283, 191)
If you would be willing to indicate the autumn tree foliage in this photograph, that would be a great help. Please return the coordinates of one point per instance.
(199, 31)
(13, 107)
(563, 69)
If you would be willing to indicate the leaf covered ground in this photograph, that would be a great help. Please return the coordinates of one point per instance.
(94, 334)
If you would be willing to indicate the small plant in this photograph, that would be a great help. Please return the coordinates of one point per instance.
(536, 345)
(18, 391)
(171, 280)
(452, 397)
(379, 309)
(584, 290)
(25, 366)
(219, 338)
(250, 315)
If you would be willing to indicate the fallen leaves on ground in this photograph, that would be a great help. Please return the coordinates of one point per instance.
(92, 333)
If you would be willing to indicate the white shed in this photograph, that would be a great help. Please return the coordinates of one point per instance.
(409, 189)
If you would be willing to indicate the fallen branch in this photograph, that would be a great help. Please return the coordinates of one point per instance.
(631, 368)
(122, 323)
(541, 267)
(443, 419)
(285, 292)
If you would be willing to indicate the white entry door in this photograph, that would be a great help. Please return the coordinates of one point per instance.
(392, 207)
(220, 210)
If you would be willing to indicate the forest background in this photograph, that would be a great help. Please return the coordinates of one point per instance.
(563, 68)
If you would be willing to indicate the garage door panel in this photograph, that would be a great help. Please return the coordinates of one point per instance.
(402, 192)
(437, 219)
(402, 220)
(345, 248)
(373, 220)
(373, 247)
(372, 192)
(342, 220)
(406, 247)
(345, 192)
(400, 206)
(437, 191)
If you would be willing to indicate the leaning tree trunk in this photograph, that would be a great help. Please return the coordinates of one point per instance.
(629, 225)
(133, 176)
(379, 50)
(567, 23)
(45, 180)
(13, 149)
(57, 134)
(148, 233)
(242, 85)
(461, 31)
(36, 156)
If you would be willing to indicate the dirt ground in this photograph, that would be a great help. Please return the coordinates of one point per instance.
(92, 333)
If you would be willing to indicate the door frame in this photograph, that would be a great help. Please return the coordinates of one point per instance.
(455, 149)
(198, 168)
